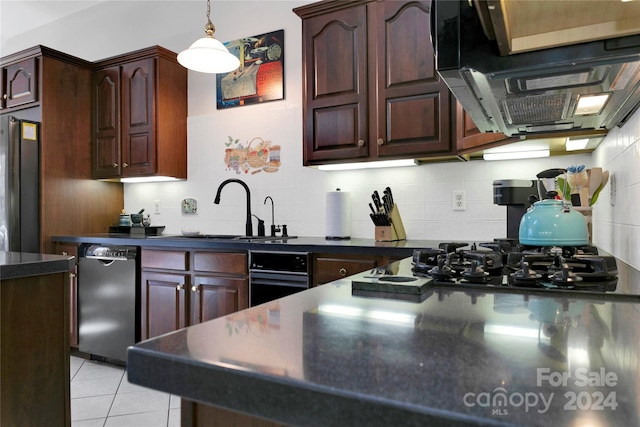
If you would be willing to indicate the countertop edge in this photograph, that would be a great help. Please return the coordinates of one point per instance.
(25, 265)
(266, 397)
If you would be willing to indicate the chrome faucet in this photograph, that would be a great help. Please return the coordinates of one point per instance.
(274, 229)
(249, 225)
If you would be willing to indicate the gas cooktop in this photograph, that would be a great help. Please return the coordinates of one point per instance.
(499, 264)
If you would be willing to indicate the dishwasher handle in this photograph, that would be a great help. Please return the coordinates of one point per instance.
(105, 262)
(111, 252)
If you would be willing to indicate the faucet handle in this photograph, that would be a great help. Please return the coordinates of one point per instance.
(261, 232)
(284, 231)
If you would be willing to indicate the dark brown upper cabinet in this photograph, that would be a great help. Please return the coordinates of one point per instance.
(140, 116)
(370, 88)
(19, 83)
(55, 90)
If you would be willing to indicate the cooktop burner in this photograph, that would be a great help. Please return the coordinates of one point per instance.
(504, 262)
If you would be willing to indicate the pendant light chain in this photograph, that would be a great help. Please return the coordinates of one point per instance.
(209, 28)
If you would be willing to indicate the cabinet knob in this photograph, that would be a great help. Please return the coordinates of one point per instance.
(5, 96)
(343, 272)
(380, 141)
(115, 165)
(179, 287)
(124, 165)
(194, 288)
(360, 143)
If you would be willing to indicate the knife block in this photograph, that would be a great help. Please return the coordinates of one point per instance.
(393, 232)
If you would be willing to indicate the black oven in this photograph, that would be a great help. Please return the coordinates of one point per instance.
(274, 275)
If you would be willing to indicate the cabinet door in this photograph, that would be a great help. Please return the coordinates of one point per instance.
(106, 123)
(411, 113)
(334, 59)
(72, 250)
(470, 139)
(21, 83)
(213, 296)
(163, 303)
(138, 118)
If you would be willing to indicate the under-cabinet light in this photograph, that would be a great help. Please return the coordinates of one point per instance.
(148, 179)
(576, 144)
(369, 165)
(513, 155)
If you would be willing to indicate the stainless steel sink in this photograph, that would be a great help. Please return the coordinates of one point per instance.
(225, 237)
(213, 236)
(265, 238)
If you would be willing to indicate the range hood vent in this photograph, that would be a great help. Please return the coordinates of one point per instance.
(548, 91)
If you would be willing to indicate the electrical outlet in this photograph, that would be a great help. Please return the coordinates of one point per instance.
(156, 206)
(612, 189)
(459, 200)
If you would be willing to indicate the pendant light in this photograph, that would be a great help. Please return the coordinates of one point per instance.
(208, 55)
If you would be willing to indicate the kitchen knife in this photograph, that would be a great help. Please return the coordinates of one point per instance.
(388, 190)
(376, 200)
(386, 204)
(373, 211)
(374, 218)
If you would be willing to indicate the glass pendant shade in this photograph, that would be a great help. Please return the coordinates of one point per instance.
(208, 55)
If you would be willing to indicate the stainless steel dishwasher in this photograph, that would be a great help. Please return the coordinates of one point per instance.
(108, 300)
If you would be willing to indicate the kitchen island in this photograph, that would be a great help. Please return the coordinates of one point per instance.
(34, 338)
(331, 356)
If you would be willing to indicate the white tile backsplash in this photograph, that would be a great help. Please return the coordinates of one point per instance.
(423, 193)
(616, 214)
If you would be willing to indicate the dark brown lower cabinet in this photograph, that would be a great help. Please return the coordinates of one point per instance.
(194, 414)
(330, 267)
(185, 287)
(34, 351)
(163, 303)
(214, 296)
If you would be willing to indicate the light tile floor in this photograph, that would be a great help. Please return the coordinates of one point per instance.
(101, 396)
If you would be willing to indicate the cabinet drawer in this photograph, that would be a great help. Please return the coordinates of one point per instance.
(330, 268)
(67, 249)
(166, 260)
(221, 262)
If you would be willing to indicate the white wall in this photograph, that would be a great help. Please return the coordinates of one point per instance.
(422, 193)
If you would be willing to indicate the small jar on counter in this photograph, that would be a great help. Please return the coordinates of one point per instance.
(125, 220)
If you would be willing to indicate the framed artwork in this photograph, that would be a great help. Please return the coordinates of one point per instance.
(260, 77)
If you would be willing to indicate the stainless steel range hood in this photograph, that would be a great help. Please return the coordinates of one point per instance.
(561, 90)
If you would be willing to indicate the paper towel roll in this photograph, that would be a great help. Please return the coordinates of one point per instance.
(338, 215)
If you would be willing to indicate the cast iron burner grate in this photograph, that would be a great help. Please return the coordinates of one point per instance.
(504, 262)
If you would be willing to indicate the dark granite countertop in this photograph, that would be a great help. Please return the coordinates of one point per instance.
(299, 244)
(326, 357)
(19, 264)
